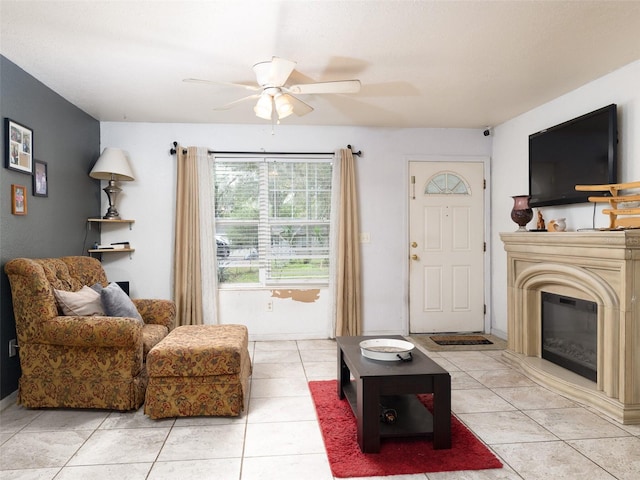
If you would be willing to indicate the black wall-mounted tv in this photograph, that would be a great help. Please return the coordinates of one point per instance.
(582, 151)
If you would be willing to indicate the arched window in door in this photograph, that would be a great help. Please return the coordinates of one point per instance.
(447, 183)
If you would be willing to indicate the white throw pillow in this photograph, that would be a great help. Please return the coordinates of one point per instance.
(85, 302)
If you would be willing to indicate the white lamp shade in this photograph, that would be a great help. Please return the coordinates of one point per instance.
(283, 106)
(112, 164)
(263, 107)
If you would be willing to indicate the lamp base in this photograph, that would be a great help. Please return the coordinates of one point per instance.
(112, 191)
(112, 214)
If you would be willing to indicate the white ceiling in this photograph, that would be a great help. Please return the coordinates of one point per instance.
(421, 63)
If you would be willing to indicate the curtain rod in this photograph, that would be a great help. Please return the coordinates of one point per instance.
(211, 152)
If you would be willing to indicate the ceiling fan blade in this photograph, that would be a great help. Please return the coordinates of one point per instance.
(299, 107)
(341, 86)
(227, 106)
(273, 73)
(252, 88)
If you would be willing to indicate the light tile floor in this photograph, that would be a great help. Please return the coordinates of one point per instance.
(535, 432)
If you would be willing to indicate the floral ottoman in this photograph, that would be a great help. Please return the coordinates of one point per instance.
(199, 370)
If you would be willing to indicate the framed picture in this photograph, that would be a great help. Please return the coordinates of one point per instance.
(18, 200)
(40, 179)
(19, 147)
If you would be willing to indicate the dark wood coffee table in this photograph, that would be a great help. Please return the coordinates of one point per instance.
(378, 385)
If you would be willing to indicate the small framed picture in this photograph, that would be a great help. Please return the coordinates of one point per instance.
(40, 185)
(18, 200)
(19, 147)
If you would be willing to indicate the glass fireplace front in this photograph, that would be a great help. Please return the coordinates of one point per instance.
(569, 333)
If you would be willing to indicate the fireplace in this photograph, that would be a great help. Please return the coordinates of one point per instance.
(569, 333)
(600, 272)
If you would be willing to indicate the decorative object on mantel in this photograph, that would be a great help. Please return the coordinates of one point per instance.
(112, 166)
(620, 204)
(558, 225)
(540, 223)
(521, 213)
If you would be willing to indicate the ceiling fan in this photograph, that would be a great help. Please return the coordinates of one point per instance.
(274, 96)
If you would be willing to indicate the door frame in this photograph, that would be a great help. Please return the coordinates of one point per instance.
(450, 159)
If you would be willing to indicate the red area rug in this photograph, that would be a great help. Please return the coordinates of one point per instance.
(396, 456)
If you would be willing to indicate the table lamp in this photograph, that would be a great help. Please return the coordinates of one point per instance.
(112, 166)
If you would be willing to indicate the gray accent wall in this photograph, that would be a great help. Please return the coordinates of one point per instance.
(68, 139)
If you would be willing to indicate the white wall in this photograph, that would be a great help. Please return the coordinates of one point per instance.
(510, 164)
(383, 192)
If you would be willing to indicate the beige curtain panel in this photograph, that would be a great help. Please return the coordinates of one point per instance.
(187, 271)
(348, 289)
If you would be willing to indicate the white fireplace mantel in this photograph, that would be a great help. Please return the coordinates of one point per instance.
(599, 266)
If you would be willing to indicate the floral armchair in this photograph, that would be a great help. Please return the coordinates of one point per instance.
(80, 361)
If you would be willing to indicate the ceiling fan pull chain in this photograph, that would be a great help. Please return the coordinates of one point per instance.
(273, 123)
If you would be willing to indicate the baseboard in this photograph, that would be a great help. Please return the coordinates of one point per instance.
(499, 333)
(8, 400)
(266, 337)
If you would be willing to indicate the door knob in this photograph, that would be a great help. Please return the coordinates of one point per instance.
(415, 257)
(414, 245)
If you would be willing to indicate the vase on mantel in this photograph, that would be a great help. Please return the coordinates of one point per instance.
(521, 213)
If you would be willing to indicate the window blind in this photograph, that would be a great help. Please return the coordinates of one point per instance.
(272, 219)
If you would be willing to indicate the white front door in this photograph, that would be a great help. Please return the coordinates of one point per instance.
(446, 235)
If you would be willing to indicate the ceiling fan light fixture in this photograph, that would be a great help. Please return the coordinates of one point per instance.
(273, 93)
(283, 106)
(263, 107)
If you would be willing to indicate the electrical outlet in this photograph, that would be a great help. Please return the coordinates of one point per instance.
(365, 237)
(269, 306)
(13, 347)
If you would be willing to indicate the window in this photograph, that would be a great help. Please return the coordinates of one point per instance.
(447, 183)
(272, 220)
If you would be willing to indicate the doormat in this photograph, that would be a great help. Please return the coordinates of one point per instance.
(397, 456)
(461, 340)
(426, 340)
